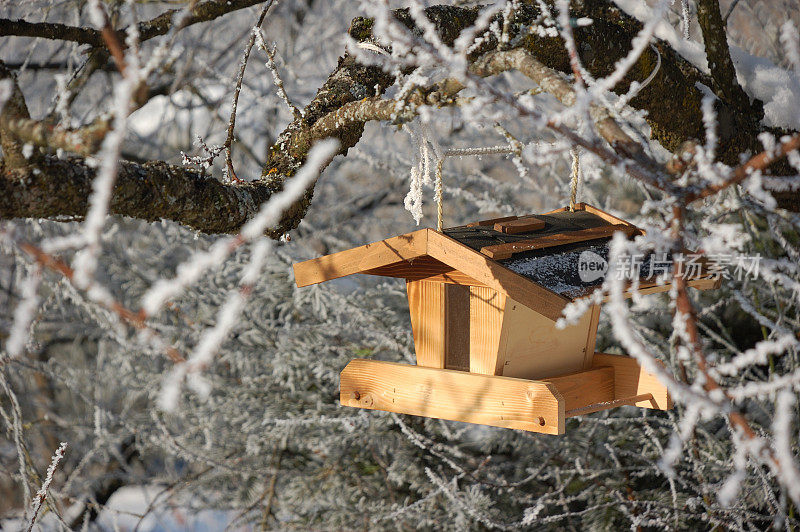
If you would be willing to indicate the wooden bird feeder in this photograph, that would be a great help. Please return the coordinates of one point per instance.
(483, 300)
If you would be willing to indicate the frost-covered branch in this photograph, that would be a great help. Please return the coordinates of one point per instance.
(42, 493)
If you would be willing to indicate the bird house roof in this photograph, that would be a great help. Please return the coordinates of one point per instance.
(532, 259)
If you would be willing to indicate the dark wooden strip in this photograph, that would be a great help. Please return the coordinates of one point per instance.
(491, 221)
(504, 251)
(456, 312)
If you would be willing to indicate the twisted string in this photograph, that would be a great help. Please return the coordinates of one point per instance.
(438, 194)
(459, 152)
(576, 173)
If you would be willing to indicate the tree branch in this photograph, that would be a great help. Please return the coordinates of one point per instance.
(59, 188)
(85, 140)
(50, 30)
(756, 163)
(715, 38)
(550, 81)
(155, 27)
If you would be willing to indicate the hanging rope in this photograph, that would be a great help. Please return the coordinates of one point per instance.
(438, 193)
(458, 152)
(576, 175)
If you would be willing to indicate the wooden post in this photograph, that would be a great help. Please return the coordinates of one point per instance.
(457, 327)
(486, 310)
(426, 302)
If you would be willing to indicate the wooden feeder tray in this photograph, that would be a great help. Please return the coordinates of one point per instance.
(483, 300)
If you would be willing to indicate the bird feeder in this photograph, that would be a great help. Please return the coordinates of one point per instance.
(484, 299)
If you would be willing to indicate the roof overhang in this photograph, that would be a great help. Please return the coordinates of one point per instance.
(427, 254)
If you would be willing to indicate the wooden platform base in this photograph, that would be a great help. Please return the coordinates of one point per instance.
(535, 406)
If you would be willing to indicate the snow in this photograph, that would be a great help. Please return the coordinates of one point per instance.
(128, 504)
(787, 466)
(24, 313)
(181, 108)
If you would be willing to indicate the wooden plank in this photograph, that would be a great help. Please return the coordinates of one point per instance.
(531, 347)
(491, 221)
(706, 283)
(426, 305)
(631, 380)
(578, 207)
(495, 276)
(486, 308)
(504, 251)
(650, 287)
(606, 405)
(585, 388)
(604, 215)
(457, 327)
(455, 395)
(520, 225)
(357, 260)
(454, 277)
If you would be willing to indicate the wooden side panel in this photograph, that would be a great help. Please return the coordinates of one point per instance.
(504, 251)
(455, 395)
(631, 380)
(457, 326)
(585, 388)
(357, 260)
(532, 347)
(486, 308)
(426, 305)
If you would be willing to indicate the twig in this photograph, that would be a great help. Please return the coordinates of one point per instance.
(110, 37)
(276, 77)
(684, 307)
(135, 319)
(42, 493)
(756, 163)
(155, 27)
(238, 89)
